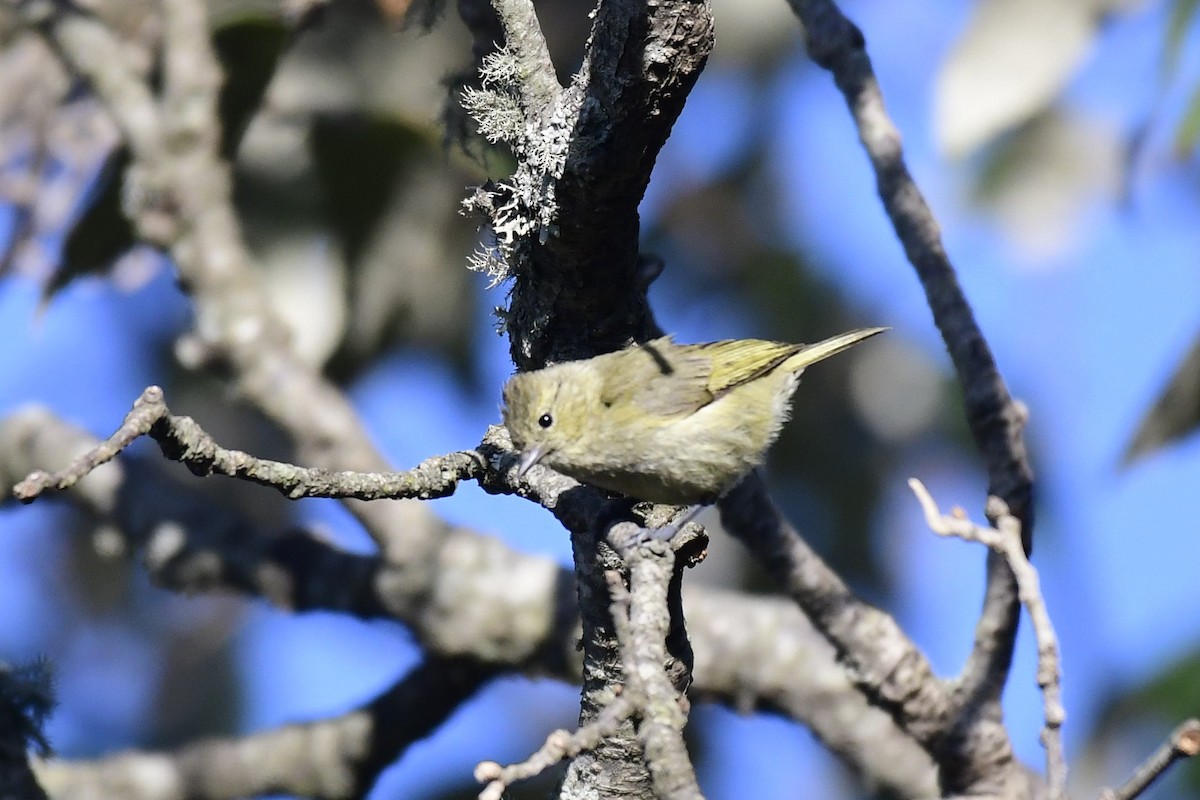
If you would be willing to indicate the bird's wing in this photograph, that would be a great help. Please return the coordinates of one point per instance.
(661, 378)
(738, 361)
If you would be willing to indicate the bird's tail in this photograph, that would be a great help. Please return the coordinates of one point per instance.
(831, 346)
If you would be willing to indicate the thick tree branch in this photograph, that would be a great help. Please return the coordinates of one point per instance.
(566, 229)
(566, 222)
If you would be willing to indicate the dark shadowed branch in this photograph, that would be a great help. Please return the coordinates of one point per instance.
(975, 753)
(887, 667)
(334, 759)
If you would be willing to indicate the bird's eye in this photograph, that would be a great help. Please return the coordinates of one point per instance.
(545, 420)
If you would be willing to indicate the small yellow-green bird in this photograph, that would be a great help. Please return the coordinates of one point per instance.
(660, 421)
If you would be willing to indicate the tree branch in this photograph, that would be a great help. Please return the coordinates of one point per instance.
(182, 439)
(1184, 742)
(566, 222)
(647, 620)
(180, 200)
(884, 663)
(752, 652)
(1005, 539)
(977, 746)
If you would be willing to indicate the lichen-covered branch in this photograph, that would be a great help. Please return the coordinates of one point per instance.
(565, 224)
(182, 439)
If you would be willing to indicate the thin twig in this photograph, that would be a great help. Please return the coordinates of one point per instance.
(1005, 539)
(558, 746)
(183, 440)
(1184, 742)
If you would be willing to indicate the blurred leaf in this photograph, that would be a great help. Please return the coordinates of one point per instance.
(1173, 692)
(101, 233)
(1188, 131)
(1174, 414)
(391, 201)
(1178, 21)
(359, 160)
(1039, 180)
(1012, 61)
(249, 51)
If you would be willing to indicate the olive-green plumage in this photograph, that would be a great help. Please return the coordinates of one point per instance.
(660, 421)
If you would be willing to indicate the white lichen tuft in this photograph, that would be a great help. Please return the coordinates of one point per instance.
(498, 114)
(522, 208)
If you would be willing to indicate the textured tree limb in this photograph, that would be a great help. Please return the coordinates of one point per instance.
(566, 222)
(182, 439)
(615, 767)
(566, 229)
(883, 662)
(1005, 539)
(333, 759)
(644, 616)
(977, 746)
(1184, 742)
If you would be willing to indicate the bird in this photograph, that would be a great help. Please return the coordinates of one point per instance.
(660, 421)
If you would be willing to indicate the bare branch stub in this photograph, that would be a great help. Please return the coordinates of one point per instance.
(1184, 742)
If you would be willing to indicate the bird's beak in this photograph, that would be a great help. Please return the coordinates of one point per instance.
(528, 458)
